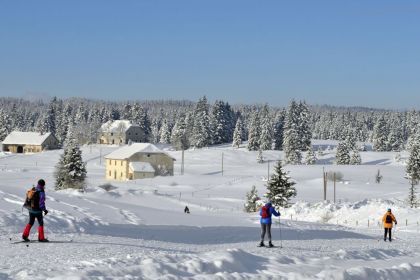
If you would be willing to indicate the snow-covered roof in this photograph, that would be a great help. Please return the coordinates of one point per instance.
(116, 126)
(26, 138)
(140, 166)
(129, 150)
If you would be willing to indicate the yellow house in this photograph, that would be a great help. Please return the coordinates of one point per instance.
(29, 142)
(138, 161)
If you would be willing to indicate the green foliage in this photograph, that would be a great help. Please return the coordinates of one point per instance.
(70, 172)
(251, 200)
(280, 187)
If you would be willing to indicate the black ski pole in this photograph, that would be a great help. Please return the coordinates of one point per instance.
(281, 239)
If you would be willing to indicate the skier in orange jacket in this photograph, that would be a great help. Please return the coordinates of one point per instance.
(387, 220)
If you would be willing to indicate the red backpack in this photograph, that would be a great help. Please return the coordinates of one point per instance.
(265, 212)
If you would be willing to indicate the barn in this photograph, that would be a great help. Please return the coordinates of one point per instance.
(29, 142)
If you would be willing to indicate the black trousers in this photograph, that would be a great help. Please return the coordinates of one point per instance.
(265, 228)
(387, 231)
(37, 216)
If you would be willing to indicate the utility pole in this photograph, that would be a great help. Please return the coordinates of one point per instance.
(182, 162)
(325, 183)
(222, 163)
(334, 186)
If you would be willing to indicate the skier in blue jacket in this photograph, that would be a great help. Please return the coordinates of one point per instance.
(266, 211)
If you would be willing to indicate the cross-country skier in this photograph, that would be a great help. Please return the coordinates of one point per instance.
(35, 212)
(266, 211)
(388, 219)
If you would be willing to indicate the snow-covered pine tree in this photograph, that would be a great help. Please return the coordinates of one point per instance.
(66, 119)
(5, 124)
(179, 137)
(292, 136)
(310, 158)
(304, 128)
(138, 115)
(189, 125)
(70, 171)
(280, 187)
(219, 122)
(355, 158)
(237, 134)
(155, 131)
(278, 130)
(127, 112)
(201, 133)
(265, 139)
(380, 135)
(343, 153)
(251, 199)
(413, 173)
(42, 123)
(395, 138)
(51, 116)
(260, 157)
(165, 134)
(350, 138)
(254, 132)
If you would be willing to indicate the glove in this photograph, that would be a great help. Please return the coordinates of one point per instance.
(45, 212)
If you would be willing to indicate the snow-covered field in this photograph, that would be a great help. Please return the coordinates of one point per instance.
(138, 230)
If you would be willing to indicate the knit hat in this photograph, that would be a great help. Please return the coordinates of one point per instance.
(389, 209)
(41, 182)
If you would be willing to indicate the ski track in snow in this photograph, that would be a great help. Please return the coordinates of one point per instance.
(138, 230)
(91, 256)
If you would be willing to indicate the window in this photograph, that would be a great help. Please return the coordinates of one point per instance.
(148, 155)
(112, 134)
(121, 163)
(109, 173)
(115, 162)
(121, 174)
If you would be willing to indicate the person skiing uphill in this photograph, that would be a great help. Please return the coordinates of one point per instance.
(266, 211)
(387, 220)
(36, 208)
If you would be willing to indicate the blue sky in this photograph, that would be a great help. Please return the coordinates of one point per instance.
(327, 52)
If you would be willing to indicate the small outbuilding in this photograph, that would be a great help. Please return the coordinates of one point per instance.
(138, 161)
(29, 142)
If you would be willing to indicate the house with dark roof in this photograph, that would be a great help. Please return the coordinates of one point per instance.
(29, 142)
(138, 161)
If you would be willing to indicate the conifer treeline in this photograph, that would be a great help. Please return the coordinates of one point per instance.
(187, 124)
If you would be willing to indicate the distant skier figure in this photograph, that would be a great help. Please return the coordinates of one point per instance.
(266, 211)
(186, 210)
(35, 203)
(388, 219)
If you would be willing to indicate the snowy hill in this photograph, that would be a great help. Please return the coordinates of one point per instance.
(138, 230)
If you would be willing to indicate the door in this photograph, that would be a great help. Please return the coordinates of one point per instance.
(20, 149)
